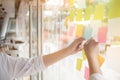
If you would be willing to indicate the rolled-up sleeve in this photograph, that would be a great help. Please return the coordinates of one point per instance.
(19, 67)
(97, 76)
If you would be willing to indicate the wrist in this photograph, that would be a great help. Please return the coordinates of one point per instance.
(68, 51)
(91, 55)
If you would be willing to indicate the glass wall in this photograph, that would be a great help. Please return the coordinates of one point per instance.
(51, 26)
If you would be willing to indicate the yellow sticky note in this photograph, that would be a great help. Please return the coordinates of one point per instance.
(79, 30)
(114, 11)
(101, 60)
(99, 12)
(71, 2)
(88, 12)
(72, 15)
(79, 64)
(66, 21)
(83, 54)
(79, 15)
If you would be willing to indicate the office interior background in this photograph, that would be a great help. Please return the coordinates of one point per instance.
(45, 26)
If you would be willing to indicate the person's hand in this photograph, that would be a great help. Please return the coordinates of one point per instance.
(91, 48)
(74, 47)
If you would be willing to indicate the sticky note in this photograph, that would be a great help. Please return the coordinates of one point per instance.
(99, 12)
(102, 34)
(71, 2)
(101, 60)
(79, 30)
(114, 11)
(88, 32)
(83, 54)
(79, 64)
(79, 15)
(71, 30)
(114, 27)
(72, 15)
(88, 12)
(65, 3)
(91, 1)
(80, 4)
(66, 21)
(86, 74)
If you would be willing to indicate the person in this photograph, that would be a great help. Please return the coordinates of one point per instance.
(11, 67)
(92, 51)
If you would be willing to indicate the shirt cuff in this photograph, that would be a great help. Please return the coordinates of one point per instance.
(96, 76)
(43, 67)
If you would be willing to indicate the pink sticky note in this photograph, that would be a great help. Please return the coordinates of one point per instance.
(65, 3)
(102, 34)
(86, 75)
(71, 30)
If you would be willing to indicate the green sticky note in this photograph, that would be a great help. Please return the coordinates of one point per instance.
(99, 12)
(88, 12)
(114, 11)
(79, 64)
(72, 15)
(79, 15)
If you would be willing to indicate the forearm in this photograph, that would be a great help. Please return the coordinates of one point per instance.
(93, 65)
(55, 57)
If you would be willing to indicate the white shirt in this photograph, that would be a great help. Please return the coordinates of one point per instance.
(97, 76)
(11, 67)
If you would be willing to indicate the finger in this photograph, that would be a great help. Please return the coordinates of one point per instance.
(80, 48)
(79, 40)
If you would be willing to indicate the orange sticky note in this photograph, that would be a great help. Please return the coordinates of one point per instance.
(101, 60)
(79, 30)
(79, 15)
(66, 21)
(102, 34)
(79, 64)
(71, 2)
(86, 74)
